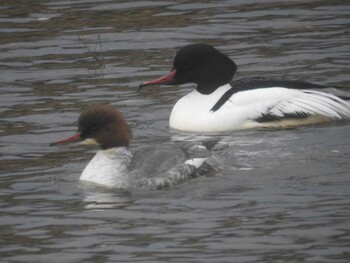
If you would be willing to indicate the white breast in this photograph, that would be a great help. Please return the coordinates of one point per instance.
(192, 112)
(108, 168)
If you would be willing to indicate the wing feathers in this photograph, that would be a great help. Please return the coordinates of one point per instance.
(339, 105)
(303, 103)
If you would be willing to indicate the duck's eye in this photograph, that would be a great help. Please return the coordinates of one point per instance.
(93, 128)
(186, 67)
(90, 130)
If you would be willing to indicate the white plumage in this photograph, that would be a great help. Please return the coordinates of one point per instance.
(248, 109)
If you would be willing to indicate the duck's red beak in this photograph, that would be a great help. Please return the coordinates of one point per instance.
(74, 138)
(162, 80)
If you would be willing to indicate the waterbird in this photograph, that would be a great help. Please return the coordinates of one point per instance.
(219, 105)
(151, 167)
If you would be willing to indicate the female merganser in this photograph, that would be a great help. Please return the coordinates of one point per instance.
(217, 106)
(149, 167)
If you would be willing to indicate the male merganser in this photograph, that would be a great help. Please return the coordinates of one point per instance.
(149, 167)
(217, 106)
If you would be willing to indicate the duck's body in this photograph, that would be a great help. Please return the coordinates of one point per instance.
(216, 105)
(271, 107)
(148, 167)
(116, 166)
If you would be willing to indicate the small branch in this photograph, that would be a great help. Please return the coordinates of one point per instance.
(98, 58)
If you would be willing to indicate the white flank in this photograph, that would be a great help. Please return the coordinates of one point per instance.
(196, 162)
(193, 111)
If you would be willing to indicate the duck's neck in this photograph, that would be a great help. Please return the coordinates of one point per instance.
(109, 168)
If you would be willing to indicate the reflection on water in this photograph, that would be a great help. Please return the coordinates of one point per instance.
(283, 195)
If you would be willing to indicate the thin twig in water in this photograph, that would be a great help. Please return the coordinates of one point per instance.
(98, 58)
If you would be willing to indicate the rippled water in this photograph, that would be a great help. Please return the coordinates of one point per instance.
(283, 195)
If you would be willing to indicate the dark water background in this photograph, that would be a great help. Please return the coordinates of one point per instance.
(283, 196)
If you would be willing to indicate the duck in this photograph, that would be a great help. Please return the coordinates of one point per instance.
(218, 104)
(152, 167)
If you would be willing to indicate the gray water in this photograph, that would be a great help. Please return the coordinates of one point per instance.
(283, 196)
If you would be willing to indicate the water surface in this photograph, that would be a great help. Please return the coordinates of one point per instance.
(283, 196)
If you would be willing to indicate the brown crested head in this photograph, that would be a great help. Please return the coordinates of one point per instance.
(105, 125)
